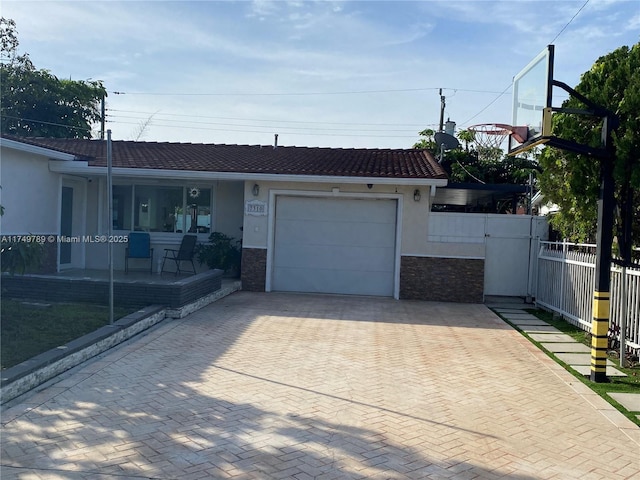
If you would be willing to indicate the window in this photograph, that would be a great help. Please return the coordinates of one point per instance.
(162, 208)
(198, 217)
(122, 207)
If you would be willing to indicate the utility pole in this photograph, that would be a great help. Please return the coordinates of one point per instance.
(442, 105)
(102, 119)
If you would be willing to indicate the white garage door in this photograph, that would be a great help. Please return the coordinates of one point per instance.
(330, 245)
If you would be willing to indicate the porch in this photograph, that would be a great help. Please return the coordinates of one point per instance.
(135, 289)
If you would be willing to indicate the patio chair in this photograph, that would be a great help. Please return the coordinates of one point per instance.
(184, 254)
(138, 246)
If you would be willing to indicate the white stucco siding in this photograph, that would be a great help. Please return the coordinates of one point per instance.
(30, 193)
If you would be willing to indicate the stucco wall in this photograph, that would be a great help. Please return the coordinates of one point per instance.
(29, 193)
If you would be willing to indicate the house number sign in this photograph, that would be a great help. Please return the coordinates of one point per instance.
(255, 207)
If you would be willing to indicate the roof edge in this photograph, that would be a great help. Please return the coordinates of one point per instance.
(36, 150)
(83, 169)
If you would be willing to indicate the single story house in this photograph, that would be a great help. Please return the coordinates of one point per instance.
(346, 221)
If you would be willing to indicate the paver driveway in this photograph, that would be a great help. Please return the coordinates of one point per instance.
(304, 386)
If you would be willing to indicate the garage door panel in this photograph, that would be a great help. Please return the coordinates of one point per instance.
(332, 209)
(328, 257)
(291, 232)
(334, 245)
(331, 281)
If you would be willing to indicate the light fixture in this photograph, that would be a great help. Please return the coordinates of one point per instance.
(255, 190)
(416, 195)
(369, 186)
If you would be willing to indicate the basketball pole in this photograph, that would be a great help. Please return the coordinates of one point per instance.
(604, 245)
(600, 317)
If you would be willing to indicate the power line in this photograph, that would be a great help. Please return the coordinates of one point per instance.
(569, 22)
(48, 123)
(291, 94)
(271, 127)
(490, 103)
(377, 135)
(551, 42)
(419, 125)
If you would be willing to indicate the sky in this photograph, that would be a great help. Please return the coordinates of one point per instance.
(345, 74)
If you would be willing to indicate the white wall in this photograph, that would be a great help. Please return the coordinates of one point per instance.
(30, 193)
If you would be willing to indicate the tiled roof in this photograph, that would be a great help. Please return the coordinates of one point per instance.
(359, 162)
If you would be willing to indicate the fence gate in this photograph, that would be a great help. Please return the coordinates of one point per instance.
(511, 244)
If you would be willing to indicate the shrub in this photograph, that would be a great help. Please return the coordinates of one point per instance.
(21, 256)
(221, 252)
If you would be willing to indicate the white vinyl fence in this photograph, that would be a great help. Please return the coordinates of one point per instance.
(565, 284)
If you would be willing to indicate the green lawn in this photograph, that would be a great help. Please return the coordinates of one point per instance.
(628, 384)
(28, 329)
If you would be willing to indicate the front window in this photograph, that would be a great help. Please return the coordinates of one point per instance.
(162, 208)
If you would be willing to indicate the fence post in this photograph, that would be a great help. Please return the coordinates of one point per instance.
(623, 316)
(532, 293)
(563, 267)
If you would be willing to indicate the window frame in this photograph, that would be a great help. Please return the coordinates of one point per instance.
(162, 236)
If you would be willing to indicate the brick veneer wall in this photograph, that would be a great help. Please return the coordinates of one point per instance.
(442, 279)
(129, 293)
(254, 269)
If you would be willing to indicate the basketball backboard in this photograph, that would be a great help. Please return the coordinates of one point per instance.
(532, 95)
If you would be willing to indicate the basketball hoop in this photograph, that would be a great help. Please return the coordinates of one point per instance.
(492, 135)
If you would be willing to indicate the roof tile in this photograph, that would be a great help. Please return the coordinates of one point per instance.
(353, 162)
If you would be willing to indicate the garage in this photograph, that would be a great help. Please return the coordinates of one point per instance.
(335, 245)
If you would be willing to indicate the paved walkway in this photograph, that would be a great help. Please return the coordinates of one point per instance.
(260, 386)
(565, 349)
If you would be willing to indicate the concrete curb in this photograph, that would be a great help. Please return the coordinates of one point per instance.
(29, 374)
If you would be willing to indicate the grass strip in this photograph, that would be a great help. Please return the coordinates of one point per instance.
(29, 328)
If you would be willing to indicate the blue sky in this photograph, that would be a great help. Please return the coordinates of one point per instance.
(318, 73)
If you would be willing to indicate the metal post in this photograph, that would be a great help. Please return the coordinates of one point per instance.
(442, 107)
(102, 118)
(604, 236)
(110, 225)
(623, 316)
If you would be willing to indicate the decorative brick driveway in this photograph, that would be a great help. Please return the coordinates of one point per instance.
(300, 386)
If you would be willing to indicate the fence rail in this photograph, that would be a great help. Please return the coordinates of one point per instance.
(565, 284)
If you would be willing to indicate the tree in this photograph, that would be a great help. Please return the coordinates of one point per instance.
(428, 141)
(479, 164)
(467, 136)
(36, 103)
(572, 181)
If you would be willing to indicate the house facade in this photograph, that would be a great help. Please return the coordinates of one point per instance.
(346, 221)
